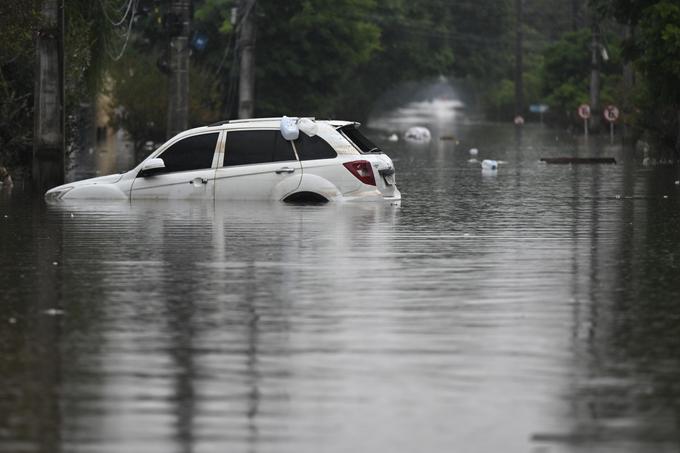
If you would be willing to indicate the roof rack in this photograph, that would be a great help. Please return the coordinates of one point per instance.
(254, 120)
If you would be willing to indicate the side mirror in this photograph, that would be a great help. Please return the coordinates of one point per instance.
(152, 167)
(289, 128)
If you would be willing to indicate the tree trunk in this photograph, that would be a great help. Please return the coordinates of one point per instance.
(48, 127)
(519, 64)
(574, 15)
(595, 77)
(178, 94)
(246, 45)
(677, 140)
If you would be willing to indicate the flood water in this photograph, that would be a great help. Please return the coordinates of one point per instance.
(535, 310)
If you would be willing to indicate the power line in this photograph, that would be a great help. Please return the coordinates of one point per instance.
(116, 56)
(127, 8)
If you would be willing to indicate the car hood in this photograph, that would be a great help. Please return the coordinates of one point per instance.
(108, 179)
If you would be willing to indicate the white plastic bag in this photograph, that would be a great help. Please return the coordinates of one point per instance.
(307, 126)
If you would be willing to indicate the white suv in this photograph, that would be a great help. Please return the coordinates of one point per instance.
(251, 160)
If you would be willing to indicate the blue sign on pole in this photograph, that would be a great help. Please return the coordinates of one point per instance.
(538, 108)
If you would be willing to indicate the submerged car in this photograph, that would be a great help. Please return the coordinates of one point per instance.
(289, 159)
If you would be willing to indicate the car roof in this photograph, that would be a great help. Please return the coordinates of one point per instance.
(255, 123)
(271, 122)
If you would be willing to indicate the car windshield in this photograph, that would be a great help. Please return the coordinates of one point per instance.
(359, 140)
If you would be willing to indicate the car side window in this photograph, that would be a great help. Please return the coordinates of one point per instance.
(310, 148)
(256, 147)
(191, 153)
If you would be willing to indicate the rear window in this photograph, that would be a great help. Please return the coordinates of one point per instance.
(256, 147)
(310, 148)
(360, 140)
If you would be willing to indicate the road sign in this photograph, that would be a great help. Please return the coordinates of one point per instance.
(538, 108)
(611, 113)
(584, 111)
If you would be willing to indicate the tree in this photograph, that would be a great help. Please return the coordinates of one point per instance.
(566, 72)
(18, 19)
(657, 46)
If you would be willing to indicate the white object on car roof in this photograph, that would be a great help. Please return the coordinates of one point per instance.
(307, 126)
(289, 128)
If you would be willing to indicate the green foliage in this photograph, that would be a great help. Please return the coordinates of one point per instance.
(657, 47)
(18, 19)
(139, 97)
(306, 51)
(566, 73)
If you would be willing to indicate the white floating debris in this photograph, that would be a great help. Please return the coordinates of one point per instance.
(472, 161)
(665, 196)
(393, 138)
(488, 164)
(474, 151)
(418, 134)
(55, 263)
(677, 183)
(12, 320)
(618, 197)
(53, 312)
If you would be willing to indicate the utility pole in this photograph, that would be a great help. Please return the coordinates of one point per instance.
(628, 83)
(246, 46)
(519, 65)
(595, 75)
(178, 25)
(48, 126)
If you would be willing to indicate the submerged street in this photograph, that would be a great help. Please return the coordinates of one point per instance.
(531, 310)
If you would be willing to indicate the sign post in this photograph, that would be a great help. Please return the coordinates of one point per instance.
(611, 114)
(539, 108)
(584, 112)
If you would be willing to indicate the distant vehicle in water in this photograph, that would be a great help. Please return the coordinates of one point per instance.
(289, 159)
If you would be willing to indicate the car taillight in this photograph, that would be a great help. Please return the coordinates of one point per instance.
(362, 170)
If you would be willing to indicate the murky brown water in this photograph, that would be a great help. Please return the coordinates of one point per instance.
(537, 310)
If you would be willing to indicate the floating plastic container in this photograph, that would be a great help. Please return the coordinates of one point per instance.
(474, 151)
(289, 128)
(418, 134)
(488, 164)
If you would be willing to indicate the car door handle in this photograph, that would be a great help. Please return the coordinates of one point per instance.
(284, 170)
(197, 181)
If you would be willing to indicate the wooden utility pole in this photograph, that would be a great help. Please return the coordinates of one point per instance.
(519, 65)
(48, 127)
(178, 89)
(595, 75)
(246, 46)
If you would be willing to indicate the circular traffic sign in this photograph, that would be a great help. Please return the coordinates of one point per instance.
(584, 111)
(611, 113)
